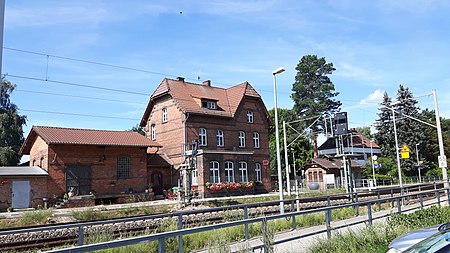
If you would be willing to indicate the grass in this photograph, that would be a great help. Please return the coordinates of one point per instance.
(91, 214)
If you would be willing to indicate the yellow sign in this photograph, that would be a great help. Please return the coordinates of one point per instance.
(405, 148)
(405, 154)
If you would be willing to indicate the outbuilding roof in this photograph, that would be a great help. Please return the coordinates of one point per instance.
(188, 95)
(328, 163)
(75, 136)
(22, 171)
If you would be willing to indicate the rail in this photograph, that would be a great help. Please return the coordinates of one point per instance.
(161, 237)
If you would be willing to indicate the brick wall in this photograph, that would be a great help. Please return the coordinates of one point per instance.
(38, 191)
(103, 162)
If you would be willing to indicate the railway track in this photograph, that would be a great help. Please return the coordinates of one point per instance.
(49, 236)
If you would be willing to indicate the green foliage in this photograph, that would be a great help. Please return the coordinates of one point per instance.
(35, 217)
(313, 91)
(138, 129)
(365, 131)
(11, 127)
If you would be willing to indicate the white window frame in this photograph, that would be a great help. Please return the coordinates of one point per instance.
(164, 115)
(219, 138)
(214, 172)
(229, 172)
(194, 177)
(211, 105)
(202, 137)
(241, 139)
(258, 172)
(243, 172)
(153, 131)
(256, 143)
(250, 117)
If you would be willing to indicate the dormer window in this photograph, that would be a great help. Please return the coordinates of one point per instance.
(212, 105)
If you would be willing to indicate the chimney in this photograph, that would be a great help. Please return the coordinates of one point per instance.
(207, 83)
(181, 79)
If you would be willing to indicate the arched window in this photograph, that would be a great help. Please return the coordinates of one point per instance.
(241, 139)
(229, 172)
(214, 172)
(243, 172)
(258, 172)
(256, 140)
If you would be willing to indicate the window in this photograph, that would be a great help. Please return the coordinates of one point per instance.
(209, 104)
(256, 139)
(243, 172)
(202, 137)
(241, 139)
(214, 177)
(164, 115)
(123, 167)
(153, 129)
(229, 172)
(249, 116)
(258, 175)
(219, 138)
(194, 176)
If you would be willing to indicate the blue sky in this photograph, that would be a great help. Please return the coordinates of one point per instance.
(374, 46)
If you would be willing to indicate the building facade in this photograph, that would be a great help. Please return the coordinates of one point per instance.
(228, 129)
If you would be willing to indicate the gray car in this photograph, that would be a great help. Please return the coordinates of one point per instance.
(403, 242)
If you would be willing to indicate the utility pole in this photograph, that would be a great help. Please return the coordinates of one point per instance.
(2, 24)
(288, 180)
(192, 166)
(442, 158)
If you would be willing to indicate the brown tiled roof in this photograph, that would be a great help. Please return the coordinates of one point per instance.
(327, 163)
(59, 135)
(185, 95)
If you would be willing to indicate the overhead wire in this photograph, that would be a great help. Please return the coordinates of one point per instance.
(78, 114)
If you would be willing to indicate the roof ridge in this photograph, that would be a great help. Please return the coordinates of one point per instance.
(81, 129)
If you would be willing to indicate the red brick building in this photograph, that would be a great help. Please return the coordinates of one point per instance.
(230, 126)
(84, 161)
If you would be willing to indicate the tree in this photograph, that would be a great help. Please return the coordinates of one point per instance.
(138, 129)
(365, 131)
(384, 136)
(11, 127)
(313, 92)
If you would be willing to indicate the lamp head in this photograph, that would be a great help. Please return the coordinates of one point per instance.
(278, 71)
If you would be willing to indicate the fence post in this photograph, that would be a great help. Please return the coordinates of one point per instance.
(392, 195)
(379, 203)
(438, 196)
(265, 236)
(357, 206)
(448, 196)
(294, 223)
(80, 239)
(161, 245)
(328, 222)
(180, 237)
(246, 224)
(421, 201)
(369, 213)
(399, 204)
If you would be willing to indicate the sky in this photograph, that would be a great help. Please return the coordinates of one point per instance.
(59, 52)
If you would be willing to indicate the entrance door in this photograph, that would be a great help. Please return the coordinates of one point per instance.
(78, 179)
(21, 194)
(157, 181)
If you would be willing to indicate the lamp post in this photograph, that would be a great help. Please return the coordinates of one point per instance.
(288, 179)
(396, 144)
(373, 158)
(442, 158)
(277, 135)
(418, 162)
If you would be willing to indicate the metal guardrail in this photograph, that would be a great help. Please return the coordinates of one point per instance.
(161, 237)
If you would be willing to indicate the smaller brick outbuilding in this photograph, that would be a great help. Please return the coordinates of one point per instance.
(86, 161)
(22, 187)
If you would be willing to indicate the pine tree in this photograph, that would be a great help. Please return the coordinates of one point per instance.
(313, 91)
(11, 127)
(384, 136)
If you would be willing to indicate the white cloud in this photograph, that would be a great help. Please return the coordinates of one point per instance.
(374, 97)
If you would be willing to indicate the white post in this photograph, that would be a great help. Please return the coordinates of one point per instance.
(441, 143)
(288, 180)
(2, 24)
(396, 149)
(277, 135)
(418, 162)
(373, 166)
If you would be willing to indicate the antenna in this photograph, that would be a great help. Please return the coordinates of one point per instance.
(198, 76)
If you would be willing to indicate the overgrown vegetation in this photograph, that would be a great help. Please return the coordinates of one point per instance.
(91, 214)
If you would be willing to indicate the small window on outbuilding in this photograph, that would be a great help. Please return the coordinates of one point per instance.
(212, 105)
(123, 166)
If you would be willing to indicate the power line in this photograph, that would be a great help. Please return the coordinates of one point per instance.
(117, 66)
(78, 114)
(76, 84)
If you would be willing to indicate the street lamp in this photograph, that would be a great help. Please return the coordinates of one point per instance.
(277, 135)
(373, 158)
(418, 162)
(396, 143)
